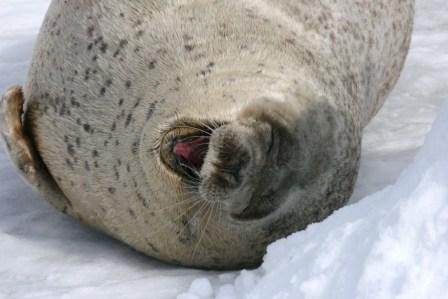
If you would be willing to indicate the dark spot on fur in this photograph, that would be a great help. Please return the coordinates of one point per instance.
(103, 47)
(137, 103)
(103, 91)
(152, 64)
(131, 212)
(123, 43)
(96, 164)
(135, 147)
(69, 163)
(95, 154)
(128, 120)
(87, 128)
(120, 102)
(74, 103)
(89, 47)
(71, 149)
(98, 40)
(187, 37)
(150, 113)
(128, 84)
(63, 110)
(189, 48)
(152, 247)
(142, 200)
(87, 74)
(90, 30)
(117, 174)
(112, 190)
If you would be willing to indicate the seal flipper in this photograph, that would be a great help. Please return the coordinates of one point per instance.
(22, 152)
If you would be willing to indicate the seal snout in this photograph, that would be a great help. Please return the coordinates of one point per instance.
(224, 163)
(237, 154)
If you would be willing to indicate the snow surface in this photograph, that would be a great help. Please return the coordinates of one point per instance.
(390, 243)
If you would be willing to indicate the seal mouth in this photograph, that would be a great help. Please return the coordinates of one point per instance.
(184, 147)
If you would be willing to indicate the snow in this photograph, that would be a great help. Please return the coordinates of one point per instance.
(390, 243)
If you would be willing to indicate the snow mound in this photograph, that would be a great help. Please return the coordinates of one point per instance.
(392, 244)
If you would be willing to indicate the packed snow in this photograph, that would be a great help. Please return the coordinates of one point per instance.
(391, 242)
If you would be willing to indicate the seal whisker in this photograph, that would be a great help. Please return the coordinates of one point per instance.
(195, 136)
(204, 205)
(193, 193)
(215, 208)
(210, 211)
(188, 176)
(195, 172)
(207, 126)
(185, 225)
(191, 127)
(184, 201)
(193, 205)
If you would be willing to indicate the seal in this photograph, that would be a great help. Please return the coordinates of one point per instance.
(198, 132)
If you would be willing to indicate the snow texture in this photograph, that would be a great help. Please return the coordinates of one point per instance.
(390, 243)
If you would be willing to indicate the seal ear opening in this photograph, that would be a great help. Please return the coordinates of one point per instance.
(21, 149)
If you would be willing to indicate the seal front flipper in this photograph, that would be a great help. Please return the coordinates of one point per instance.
(21, 150)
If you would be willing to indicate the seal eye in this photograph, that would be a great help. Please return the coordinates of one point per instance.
(190, 153)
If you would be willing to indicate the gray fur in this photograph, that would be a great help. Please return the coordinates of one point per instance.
(293, 82)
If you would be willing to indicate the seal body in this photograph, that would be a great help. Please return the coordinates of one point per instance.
(200, 131)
